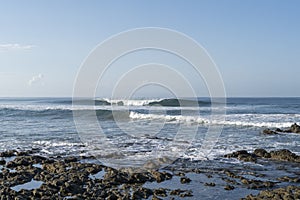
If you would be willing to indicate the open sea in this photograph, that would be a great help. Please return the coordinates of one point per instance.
(132, 130)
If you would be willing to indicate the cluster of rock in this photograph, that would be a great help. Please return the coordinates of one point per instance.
(286, 193)
(295, 128)
(282, 155)
(249, 183)
(74, 178)
(71, 178)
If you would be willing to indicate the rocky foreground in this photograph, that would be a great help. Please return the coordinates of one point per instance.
(76, 178)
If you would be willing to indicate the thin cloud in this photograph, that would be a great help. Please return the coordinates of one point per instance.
(35, 79)
(16, 46)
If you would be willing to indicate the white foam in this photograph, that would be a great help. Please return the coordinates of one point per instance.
(54, 107)
(256, 120)
(56, 144)
(167, 118)
(127, 102)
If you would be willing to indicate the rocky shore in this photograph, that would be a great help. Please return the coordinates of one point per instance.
(72, 178)
(257, 174)
(26, 175)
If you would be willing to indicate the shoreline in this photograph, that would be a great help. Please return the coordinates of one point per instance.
(26, 175)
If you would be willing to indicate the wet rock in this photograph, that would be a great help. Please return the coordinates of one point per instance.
(180, 174)
(184, 180)
(262, 153)
(93, 169)
(181, 193)
(278, 130)
(186, 194)
(229, 187)
(257, 184)
(247, 157)
(210, 184)
(176, 192)
(70, 159)
(161, 176)
(24, 153)
(289, 192)
(156, 198)
(157, 176)
(245, 181)
(140, 178)
(9, 153)
(231, 181)
(115, 177)
(285, 155)
(282, 155)
(295, 128)
(231, 174)
(162, 192)
(56, 167)
(70, 188)
(2, 162)
(242, 155)
(6, 191)
(19, 161)
(289, 179)
(269, 132)
(25, 161)
(15, 178)
(142, 193)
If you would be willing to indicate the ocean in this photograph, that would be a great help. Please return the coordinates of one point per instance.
(133, 131)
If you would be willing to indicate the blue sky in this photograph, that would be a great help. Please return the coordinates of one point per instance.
(255, 44)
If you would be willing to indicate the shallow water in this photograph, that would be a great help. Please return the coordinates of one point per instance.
(33, 184)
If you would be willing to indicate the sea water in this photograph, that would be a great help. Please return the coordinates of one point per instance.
(137, 128)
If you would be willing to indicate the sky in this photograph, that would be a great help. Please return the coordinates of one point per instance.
(255, 44)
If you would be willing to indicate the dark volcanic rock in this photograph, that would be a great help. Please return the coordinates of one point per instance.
(162, 192)
(181, 193)
(289, 179)
(71, 159)
(210, 184)
(2, 162)
(256, 184)
(19, 161)
(289, 192)
(269, 132)
(161, 176)
(25, 161)
(184, 180)
(262, 153)
(242, 155)
(142, 193)
(285, 155)
(282, 155)
(56, 167)
(9, 153)
(295, 128)
(278, 130)
(140, 178)
(228, 187)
